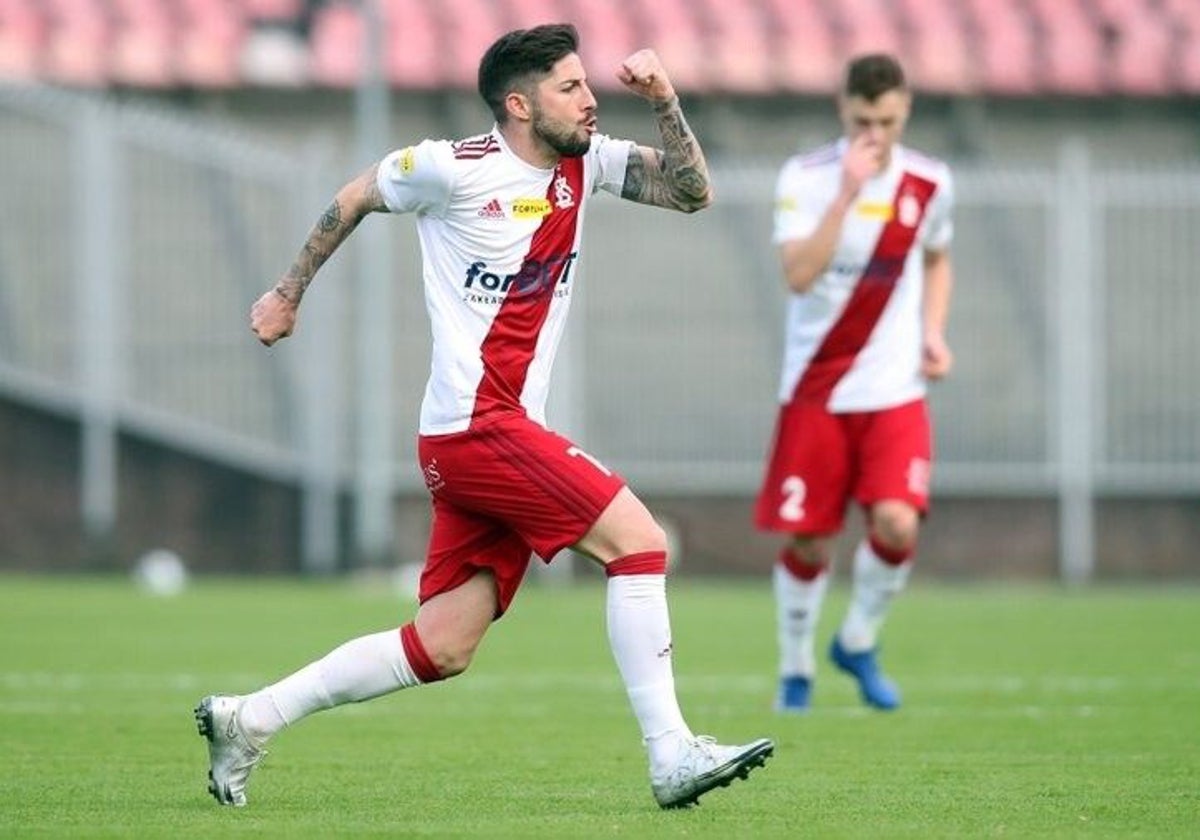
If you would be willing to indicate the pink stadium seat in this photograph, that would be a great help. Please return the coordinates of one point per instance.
(337, 45)
(605, 40)
(942, 58)
(741, 46)
(274, 11)
(869, 26)
(143, 43)
(1006, 47)
(210, 37)
(415, 57)
(523, 14)
(1141, 49)
(78, 42)
(1184, 15)
(674, 32)
(804, 54)
(469, 27)
(22, 35)
(1071, 48)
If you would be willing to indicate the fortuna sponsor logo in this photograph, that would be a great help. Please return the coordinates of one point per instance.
(491, 210)
(535, 276)
(531, 208)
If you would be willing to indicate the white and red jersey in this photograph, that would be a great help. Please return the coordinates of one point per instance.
(500, 239)
(853, 340)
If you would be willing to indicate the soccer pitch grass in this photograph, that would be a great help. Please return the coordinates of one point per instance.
(1028, 712)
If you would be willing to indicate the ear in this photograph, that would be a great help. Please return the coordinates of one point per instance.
(518, 106)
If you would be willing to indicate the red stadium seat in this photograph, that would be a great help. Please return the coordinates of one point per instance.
(143, 46)
(673, 30)
(22, 36)
(804, 55)
(741, 46)
(942, 55)
(1071, 49)
(1140, 49)
(1005, 47)
(78, 42)
(211, 34)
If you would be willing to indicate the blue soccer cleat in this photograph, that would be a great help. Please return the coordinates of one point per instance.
(876, 689)
(794, 692)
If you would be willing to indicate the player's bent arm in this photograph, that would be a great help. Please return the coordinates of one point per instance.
(804, 260)
(352, 203)
(675, 176)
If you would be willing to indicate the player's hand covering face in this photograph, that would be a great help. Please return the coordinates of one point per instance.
(880, 121)
(563, 109)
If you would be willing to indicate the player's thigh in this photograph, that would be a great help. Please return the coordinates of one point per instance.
(625, 527)
(535, 481)
(807, 477)
(895, 454)
(462, 543)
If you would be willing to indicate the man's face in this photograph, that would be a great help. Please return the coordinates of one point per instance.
(563, 109)
(882, 120)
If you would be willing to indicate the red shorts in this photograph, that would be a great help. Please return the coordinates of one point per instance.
(820, 460)
(502, 492)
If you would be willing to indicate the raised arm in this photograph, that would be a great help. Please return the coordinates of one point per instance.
(273, 316)
(675, 176)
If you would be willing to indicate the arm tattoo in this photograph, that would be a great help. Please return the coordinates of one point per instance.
(675, 176)
(331, 229)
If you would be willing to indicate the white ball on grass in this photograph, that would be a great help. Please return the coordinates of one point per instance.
(161, 572)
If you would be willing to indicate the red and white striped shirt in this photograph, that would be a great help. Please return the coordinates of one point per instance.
(500, 239)
(853, 340)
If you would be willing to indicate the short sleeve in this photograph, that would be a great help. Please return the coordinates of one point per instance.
(798, 208)
(611, 158)
(417, 179)
(939, 225)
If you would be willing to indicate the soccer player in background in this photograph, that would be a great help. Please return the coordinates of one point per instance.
(499, 218)
(863, 227)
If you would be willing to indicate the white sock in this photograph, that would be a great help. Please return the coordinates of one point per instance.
(797, 609)
(362, 668)
(875, 584)
(639, 632)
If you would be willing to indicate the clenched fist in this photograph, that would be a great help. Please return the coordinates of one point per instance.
(643, 74)
(272, 317)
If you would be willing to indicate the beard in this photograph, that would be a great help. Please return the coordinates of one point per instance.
(565, 141)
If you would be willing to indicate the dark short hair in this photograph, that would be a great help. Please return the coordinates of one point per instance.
(521, 57)
(871, 76)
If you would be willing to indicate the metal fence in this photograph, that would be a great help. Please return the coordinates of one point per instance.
(132, 246)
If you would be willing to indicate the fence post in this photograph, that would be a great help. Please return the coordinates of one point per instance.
(1074, 372)
(97, 330)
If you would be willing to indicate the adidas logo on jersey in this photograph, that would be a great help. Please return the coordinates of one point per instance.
(491, 210)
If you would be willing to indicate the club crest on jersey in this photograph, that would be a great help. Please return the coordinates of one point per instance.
(564, 196)
(407, 161)
(531, 208)
(908, 210)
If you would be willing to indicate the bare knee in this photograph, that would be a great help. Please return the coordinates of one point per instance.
(625, 527)
(895, 525)
(814, 551)
(452, 624)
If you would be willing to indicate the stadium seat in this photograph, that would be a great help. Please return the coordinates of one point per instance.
(1138, 45)
(211, 33)
(468, 28)
(77, 48)
(607, 39)
(1071, 48)
(741, 49)
(143, 43)
(942, 51)
(416, 57)
(867, 26)
(673, 29)
(1005, 47)
(22, 35)
(1184, 17)
(337, 45)
(804, 53)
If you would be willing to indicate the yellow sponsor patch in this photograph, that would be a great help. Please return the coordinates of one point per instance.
(407, 161)
(786, 203)
(879, 210)
(530, 208)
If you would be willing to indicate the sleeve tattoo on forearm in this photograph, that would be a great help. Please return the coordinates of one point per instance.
(677, 175)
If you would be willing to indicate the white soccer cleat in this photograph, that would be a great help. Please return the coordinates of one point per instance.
(231, 756)
(703, 764)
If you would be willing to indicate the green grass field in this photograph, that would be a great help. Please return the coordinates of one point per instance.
(1028, 712)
